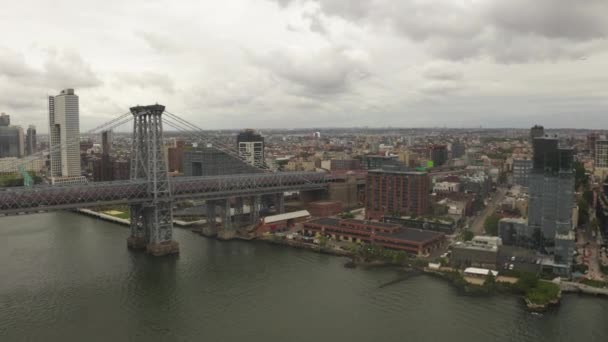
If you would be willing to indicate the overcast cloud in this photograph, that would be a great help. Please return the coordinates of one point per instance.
(311, 63)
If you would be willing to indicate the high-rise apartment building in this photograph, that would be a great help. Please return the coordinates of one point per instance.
(591, 139)
(11, 141)
(536, 132)
(601, 153)
(396, 193)
(64, 134)
(251, 147)
(106, 142)
(439, 155)
(30, 140)
(458, 150)
(551, 184)
(5, 120)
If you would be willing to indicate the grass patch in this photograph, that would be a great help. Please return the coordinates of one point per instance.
(594, 283)
(543, 293)
(118, 214)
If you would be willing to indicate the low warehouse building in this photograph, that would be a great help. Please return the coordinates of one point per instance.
(281, 222)
(388, 235)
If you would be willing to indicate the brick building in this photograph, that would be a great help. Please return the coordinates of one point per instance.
(401, 193)
(387, 235)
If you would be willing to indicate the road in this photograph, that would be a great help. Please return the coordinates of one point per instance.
(477, 225)
(589, 251)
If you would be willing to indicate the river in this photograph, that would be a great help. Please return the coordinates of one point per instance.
(66, 277)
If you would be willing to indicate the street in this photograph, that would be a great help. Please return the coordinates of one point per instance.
(477, 225)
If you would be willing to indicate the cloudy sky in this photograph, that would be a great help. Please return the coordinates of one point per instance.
(306, 63)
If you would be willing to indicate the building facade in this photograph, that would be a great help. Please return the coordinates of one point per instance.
(458, 150)
(64, 130)
(521, 171)
(439, 155)
(601, 153)
(11, 142)
(251, 147)
(209, 161)
(31, 144)
(401, 193)
(551, 188)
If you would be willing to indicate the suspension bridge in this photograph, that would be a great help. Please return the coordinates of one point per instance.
(150, 193)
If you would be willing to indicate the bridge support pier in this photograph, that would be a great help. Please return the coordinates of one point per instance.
(137, 239)
(256, 204)
(238, 212)
(211, 215)
(226, 215)
(152, 221)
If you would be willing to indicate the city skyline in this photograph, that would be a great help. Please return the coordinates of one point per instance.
(279, 63)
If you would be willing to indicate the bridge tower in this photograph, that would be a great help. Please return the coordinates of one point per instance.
(151, 222)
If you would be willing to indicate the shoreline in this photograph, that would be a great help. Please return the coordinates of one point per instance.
(468, 288)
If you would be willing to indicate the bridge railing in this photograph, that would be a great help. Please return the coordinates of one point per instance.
(242, 185)
(47, 197)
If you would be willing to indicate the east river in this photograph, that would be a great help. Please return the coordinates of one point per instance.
(65, 277)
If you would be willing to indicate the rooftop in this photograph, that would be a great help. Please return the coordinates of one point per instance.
(411, 234)
(399, 172)
(286, 216)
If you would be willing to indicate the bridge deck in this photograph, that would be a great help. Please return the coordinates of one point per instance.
(46, 198)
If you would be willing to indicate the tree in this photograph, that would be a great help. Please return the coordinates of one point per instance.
(581, 179)
(491, 225)
(583, 211)
(467, 235)
(527, 281)
(490, 281)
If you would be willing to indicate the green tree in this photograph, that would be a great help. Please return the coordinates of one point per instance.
(583, 211)
(468, 235)
(322, 240)
(581, 179)
(491, 225)
(527, 281)
(490, 281)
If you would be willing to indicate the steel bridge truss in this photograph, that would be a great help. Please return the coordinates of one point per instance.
(150, 192)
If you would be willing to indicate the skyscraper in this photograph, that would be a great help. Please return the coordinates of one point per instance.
(251, 147)
(5, 120)
(64, 134)
(30, 140)
(535, 132)
(439, 155)
(11, 138)
(551, 189)
(11, 142)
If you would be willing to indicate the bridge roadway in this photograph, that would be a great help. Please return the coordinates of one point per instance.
(24, 200)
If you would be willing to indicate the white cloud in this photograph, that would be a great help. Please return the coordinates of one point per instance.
(281, 63)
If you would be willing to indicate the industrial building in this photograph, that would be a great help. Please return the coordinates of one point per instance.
(387, 235)
(482, 251)
(397, 193)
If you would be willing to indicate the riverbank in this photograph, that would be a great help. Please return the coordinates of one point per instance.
(535, 301)
(127, 222)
